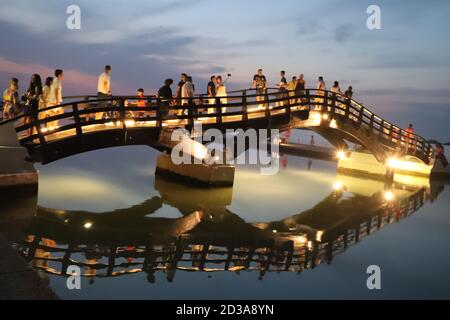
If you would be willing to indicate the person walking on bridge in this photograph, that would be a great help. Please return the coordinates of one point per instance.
(410, 138)
(187, 93)
(56, 97)
(349, 92)
(440, 155)
(282, 85)
(166, 96)
(11, 99)
(321, 88)
(292, 86)
(44, 102)
(32, 97)
(300, 88)
(260, 84)
(211, 90)
(222, 92)
(335, 88)
(104, 90)
(183, 79)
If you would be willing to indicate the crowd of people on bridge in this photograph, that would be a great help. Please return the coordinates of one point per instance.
(43, 95)
(48, 94)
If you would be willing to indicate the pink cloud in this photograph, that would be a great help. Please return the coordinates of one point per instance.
(76, 82)
(72, 78)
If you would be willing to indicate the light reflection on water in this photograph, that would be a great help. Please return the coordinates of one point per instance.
(295, 198)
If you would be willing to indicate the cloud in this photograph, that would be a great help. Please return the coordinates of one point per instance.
(344, 32)
(189, 65)
(31, 16)
(308, 27)
(72, 77)
(405, 60)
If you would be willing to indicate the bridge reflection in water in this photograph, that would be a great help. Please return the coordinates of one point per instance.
(210, 238)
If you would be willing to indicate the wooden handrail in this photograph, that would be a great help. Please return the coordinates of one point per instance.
(337, 105)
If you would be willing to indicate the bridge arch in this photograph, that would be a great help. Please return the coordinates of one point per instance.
(335, 116)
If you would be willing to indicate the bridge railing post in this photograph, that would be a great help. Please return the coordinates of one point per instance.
(37, 126)
(325, 102)
(76, 117)
(348, 102)
(218, 111)
(372, 120)
(308, 99)
(158, 112)
(122, 113)
(244, 106)
(381, 133)
(288, 105)
(360, 116)
(191, 112)
(266, 103)
(391, 132)
(333, 106)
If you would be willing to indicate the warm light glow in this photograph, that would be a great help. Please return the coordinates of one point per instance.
(109, 124)
(388, 196)
(408, 165)
(325, 116)
(88, 225)
(44, 130)
(300, 240)
(338, 186)
(274, 231)
(319, 235)
(130, 123)
(393, 163)
(341, 155)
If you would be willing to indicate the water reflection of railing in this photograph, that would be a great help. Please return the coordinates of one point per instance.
(206, 250)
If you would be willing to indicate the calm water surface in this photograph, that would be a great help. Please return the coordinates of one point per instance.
(293, 235)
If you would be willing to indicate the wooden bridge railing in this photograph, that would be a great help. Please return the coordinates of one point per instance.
(79, 116)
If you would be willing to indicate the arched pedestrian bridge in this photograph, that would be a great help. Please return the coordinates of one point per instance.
(80, 127)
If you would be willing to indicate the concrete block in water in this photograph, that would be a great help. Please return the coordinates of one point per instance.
(14, 169)
(196, 174)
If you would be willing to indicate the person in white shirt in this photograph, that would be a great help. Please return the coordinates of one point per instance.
(104, 90)
(187, 91)
(56, 97)
(44, 100)
(221, 92)
(321, 87)
(335, 88)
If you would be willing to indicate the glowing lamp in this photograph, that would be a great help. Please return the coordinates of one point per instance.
(87, 225)
(338, 186)
(392, 162)
(388, 196)
(341, 155)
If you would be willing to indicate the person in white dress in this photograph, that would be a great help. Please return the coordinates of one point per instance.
(187, 91)
(56, 97)
(44, 100)
(221, 93)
